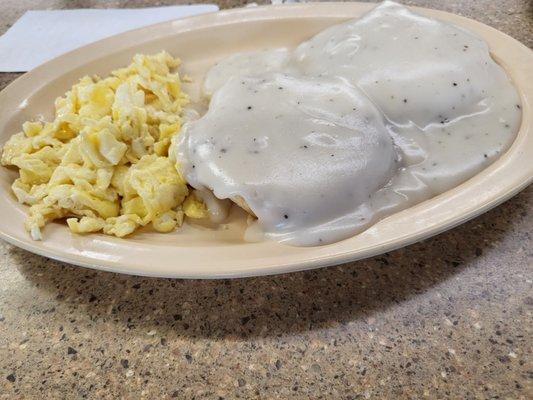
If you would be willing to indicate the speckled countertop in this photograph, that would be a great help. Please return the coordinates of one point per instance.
(446, 318)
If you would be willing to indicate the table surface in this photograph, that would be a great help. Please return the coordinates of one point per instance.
(449, 317)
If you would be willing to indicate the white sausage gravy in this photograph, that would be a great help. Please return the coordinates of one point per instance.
(364, 119)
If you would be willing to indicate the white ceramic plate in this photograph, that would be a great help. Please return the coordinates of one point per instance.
(201, 252)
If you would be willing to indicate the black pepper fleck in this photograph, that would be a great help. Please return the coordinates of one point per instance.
(249, 107)
(125, 363)
(70, 350)
(11, 378)
(454, 83)
(285, 216)
(405, 100)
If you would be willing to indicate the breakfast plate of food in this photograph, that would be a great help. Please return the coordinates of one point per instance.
(264, 140)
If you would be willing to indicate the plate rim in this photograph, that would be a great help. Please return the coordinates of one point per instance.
(237, 15)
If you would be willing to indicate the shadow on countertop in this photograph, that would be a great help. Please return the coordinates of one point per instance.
(273, 305)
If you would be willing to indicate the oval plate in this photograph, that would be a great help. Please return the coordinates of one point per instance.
(207, 252)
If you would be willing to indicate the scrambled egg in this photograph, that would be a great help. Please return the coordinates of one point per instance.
(103, 162)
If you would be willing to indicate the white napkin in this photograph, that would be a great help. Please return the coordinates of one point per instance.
(39, 36)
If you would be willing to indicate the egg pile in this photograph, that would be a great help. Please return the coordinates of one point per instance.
(103, 162)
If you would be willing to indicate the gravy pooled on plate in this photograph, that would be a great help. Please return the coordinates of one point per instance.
(364, 119)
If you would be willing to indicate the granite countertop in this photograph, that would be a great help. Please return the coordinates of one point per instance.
(446, 318)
